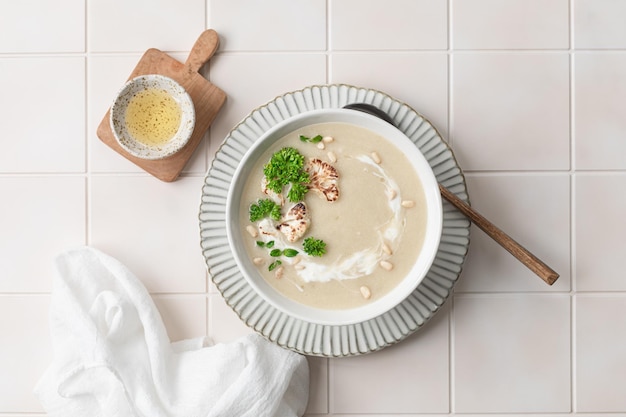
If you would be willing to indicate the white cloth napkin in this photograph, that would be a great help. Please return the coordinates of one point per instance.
(112, 356)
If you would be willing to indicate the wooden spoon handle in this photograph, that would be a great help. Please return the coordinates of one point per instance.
(202, 50)
(522, 254)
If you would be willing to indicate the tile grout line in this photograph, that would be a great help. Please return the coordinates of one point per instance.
(114, 53)
(451, 362)
(88, 182)
(329, 55)
(572, 214)
(450, 74)
(208, 151)
(207, 135)
(573, 376)
(207, 164)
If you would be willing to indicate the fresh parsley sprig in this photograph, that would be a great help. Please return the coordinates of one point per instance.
(264, 207)
(314, 247)
(286, 167)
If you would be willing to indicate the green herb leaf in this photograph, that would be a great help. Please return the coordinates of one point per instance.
(290, 253)
(263, 208)
(314, 247)
(297, 192)
(287, 167)
(260, 243)
(315, 139)
(274, 265)
(276, 252)
(269, 244)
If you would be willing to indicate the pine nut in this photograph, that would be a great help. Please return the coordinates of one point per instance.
(258, 261)
(327, 139)
(320, 145)
(365, 292)
(376, 157)
(279, 272)
(299, 267)
(252, 231)
(391, 194)
(332, 157)
(408, 203)
(296, 260)
(387, 249)
(386, 265)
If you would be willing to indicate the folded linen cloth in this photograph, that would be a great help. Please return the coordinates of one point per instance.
(112, 356)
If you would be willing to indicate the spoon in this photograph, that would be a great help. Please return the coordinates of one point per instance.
(518, 251)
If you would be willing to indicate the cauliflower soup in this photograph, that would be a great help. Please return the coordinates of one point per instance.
(333, 216)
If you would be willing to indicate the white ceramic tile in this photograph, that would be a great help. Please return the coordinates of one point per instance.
(510, 24)
(224, 325)
(25, 351)
(510, 111)
(418, 79)
(39, 218)
(318, 386)
(271, 25)
(409, 377)
(184, 316)
(599, 124)
(534, 210)
(511, 354)
(599, 349)
(42, 108)
(599, 24)
(599, 208)
(122, 26)
(106, 74)
(151, 227)
(392, 24)
(252, 80)
(42, 26)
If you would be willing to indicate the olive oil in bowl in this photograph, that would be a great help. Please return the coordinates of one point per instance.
(153, 116)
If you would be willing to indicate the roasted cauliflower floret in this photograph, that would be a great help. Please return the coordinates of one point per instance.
(295, 223)
(323, 179)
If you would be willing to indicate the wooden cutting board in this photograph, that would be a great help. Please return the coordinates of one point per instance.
(207, 99)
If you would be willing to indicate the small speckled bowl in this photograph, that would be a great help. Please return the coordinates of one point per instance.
(118, 117)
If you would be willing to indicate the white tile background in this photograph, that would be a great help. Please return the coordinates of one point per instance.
(529, 93)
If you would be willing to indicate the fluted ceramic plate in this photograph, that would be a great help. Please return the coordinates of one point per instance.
(317, 339)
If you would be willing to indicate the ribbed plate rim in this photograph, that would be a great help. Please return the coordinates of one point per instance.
(323, 340)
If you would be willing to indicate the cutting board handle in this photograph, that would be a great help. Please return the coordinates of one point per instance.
(202, 50)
